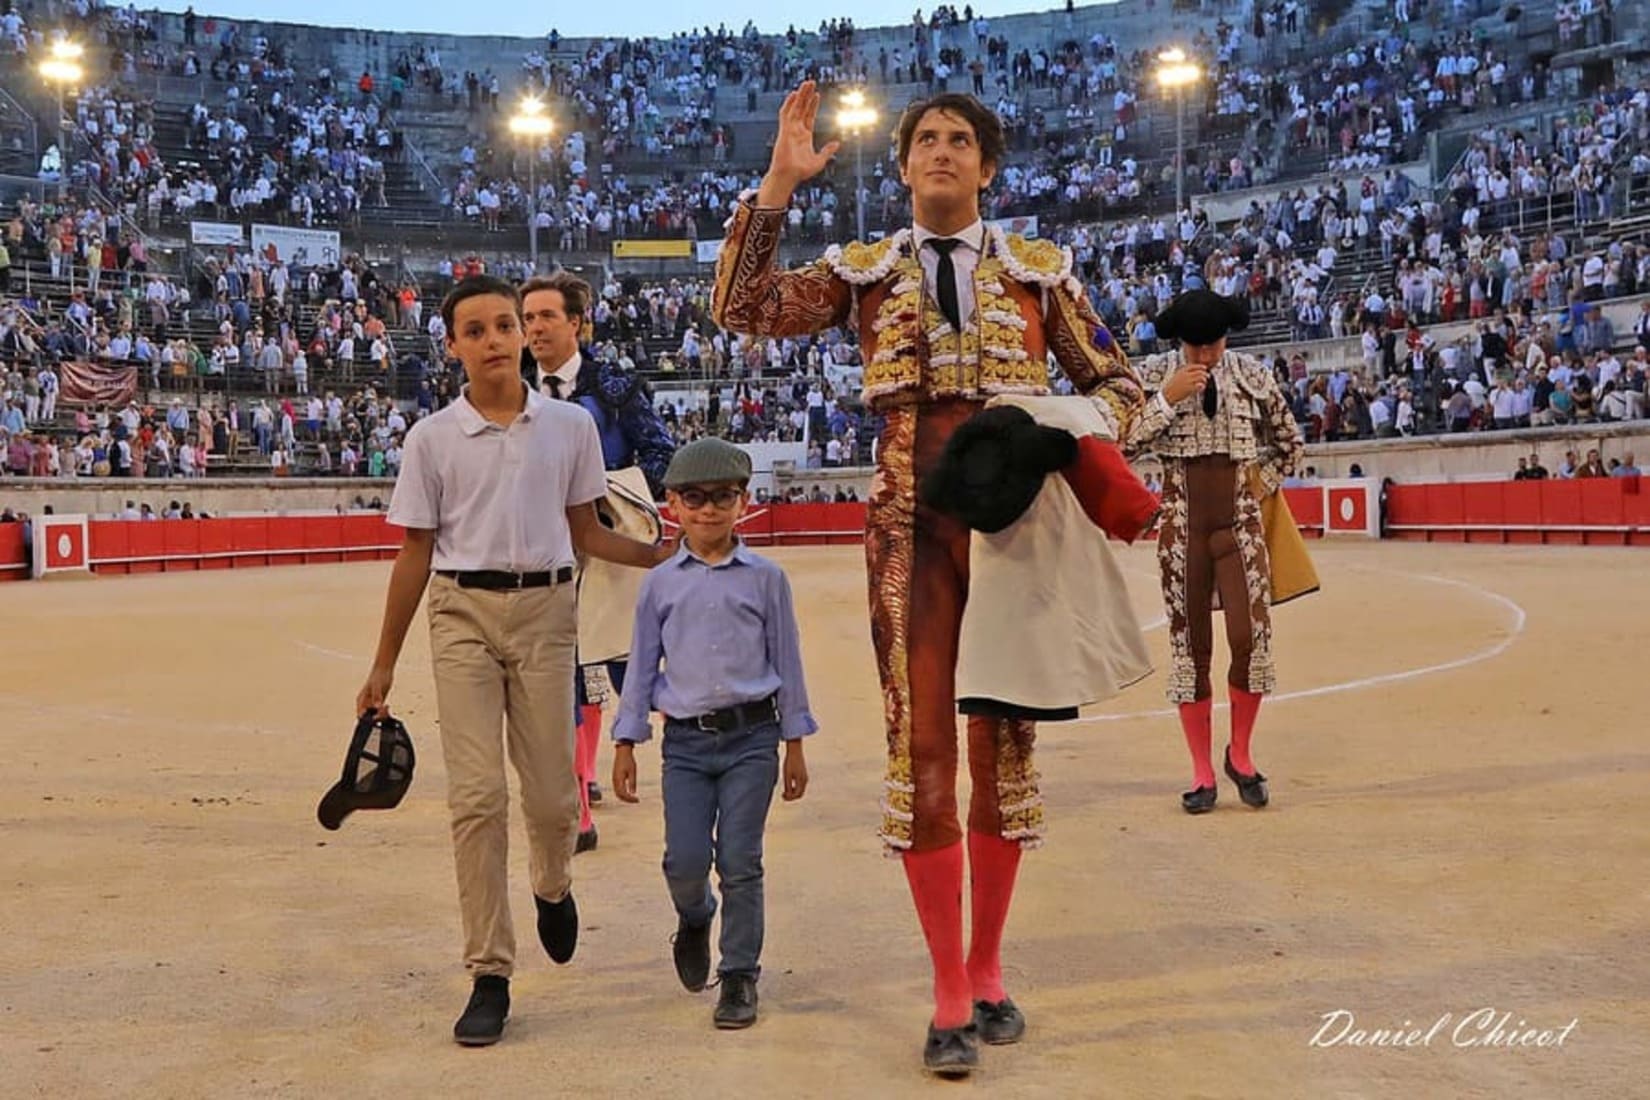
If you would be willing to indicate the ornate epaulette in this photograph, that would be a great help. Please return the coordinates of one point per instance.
(1154, 370)
(1253, 375)
(863, 263)
(1042, 263)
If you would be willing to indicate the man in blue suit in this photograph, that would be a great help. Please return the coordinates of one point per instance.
(554, 308)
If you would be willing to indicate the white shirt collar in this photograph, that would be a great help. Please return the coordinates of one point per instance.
(473, 423)
(568, 372)
(973, 236)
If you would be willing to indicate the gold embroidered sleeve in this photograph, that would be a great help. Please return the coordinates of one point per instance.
(754, 297)
(1091, 357)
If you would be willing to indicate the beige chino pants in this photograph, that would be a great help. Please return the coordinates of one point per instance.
(504, 664)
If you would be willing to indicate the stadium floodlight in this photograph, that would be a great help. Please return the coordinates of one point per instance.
(1175, 74)
(856, 115)
(63, 70)
(533, 122)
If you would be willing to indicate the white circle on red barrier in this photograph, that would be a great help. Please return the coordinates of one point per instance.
(65, 546)
(1345, 509)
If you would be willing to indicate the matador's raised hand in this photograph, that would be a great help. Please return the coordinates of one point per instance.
(795, 159)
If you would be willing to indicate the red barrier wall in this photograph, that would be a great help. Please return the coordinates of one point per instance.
(124, 546)
(1611, 511)
(1306, 505)
(1599, 511)
(11, 553)
(798, 524)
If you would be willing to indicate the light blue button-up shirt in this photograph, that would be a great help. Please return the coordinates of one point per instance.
(713, 636)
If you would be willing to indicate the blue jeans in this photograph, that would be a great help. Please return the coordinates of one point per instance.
(717, 788)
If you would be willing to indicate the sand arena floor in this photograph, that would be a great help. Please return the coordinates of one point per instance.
(1457, 825)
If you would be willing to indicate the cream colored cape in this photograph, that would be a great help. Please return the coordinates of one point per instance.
(1048, 622)
(608, 592)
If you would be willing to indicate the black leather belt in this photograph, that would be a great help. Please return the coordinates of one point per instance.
(501, 581)
(738, 716)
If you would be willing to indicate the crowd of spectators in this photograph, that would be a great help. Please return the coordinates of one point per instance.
(310, 148)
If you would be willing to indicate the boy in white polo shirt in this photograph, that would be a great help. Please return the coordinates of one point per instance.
(496, 493)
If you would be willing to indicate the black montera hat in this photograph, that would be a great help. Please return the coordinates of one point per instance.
(380, 741)
(1202, 317)
(993, 467)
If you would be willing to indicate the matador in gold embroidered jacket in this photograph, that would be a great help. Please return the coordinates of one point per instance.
(925, 377)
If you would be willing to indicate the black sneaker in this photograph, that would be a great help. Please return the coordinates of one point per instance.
(558, 927)
(595, 792)
(482, 1024)
(586, 842)
(736, 1008)
(690, 947)
(951, 1051)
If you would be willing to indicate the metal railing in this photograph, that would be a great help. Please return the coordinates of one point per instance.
(21, 121)
(426, 176)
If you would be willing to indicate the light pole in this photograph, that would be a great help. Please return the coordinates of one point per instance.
(530, 121)
(1175, 73)
(856, 114)
(62, 70)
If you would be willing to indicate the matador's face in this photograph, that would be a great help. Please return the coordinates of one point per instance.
(1204, 355)
(944, 163)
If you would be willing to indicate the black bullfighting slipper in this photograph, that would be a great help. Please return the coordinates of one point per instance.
(1199, 801)
(1251, 788)
(1000, 1022)
(558, 927)
(950, 1051)
(586, 842)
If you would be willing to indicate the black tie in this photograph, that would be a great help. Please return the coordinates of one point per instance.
(554, 382)
(946, 283)
(1211, 399)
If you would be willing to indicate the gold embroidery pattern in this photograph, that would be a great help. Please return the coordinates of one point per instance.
(1019, 799)
(1040, 257)
(895, 365)
(751, 297)
(864, 264)
(1089, 354)
(889, 552)
(941, 362)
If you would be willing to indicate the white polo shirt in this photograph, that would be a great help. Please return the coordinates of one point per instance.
(497, 497)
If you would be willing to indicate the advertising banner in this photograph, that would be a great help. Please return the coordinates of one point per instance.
(1025, 227)
(291, 244)
(216, 233)
(652, 250)
(82, 383)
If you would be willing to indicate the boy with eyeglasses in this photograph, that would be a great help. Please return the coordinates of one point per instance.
(731, 689)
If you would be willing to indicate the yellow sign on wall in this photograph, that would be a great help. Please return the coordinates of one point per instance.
(652, 250)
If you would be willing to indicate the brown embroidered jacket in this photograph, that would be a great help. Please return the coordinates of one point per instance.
(1028, 306)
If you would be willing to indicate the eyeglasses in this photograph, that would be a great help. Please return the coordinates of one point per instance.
(722, 498)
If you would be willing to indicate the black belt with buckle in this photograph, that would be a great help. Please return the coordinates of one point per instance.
(501, 581)
(738, 716)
